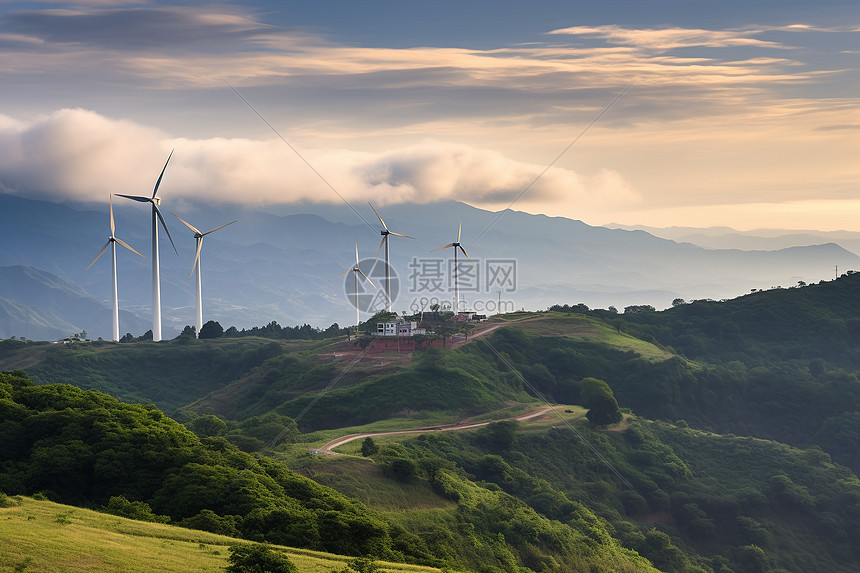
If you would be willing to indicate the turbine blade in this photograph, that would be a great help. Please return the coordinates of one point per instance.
(197, 256)
(97, 256)
(166, 230)
(356, 254)
(459, 229)
(127, 246)
(465, 253)
(377, 216)
(216, 228)
(187, 224)
(367, 278)
(445, 247)
(382, 242)
(135, 198)
(400, 235)
(343, 273)
(112, 226)
(157, 183)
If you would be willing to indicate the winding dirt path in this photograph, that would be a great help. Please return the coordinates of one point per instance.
(327, 448)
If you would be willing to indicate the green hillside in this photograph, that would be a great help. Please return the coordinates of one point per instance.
(88, 449)
(665, 492)
(40, 535)
(813, 322)
(738, 452)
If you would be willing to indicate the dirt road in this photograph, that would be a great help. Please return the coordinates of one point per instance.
(327, 448)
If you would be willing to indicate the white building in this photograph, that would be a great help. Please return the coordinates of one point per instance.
(398, 328)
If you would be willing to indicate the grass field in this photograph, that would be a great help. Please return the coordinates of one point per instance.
(53, 538)
(585, 328)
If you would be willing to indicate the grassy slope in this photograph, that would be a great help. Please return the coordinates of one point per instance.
(584, 328)
(49, 537)
(169, 374)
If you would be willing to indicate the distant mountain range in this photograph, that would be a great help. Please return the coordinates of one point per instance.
(756, 239)
(280, 263)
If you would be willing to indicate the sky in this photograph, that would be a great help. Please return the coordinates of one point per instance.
(660, 113)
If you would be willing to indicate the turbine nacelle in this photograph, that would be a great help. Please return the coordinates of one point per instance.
(384, 242)
(156, 279)
(456, 246)
(199, 236)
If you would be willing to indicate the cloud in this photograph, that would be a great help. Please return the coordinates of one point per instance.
(665, 39)
(135, 28)
(80, 155)
(197, 47)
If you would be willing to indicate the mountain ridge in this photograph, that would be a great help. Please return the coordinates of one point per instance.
(280, 263)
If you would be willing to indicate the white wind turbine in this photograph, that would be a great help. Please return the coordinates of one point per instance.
(355, 270)
(385, 234)
(456, 246)
(112, 241)
(156, 279)
(199, 236)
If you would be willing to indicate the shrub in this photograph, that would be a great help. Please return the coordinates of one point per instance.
(369, 447)
(258, 559)
(139, 510)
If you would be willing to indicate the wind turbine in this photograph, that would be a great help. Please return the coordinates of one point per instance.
(199, 236)
(355, 272)
(385, 234)
(112, 241)
(456, 246)
(156, 279)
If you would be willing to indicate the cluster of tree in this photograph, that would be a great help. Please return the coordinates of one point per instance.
(274, 330)
(717, 517)
(86, 448)
(254, 434)
(213, 329)
(801, 403)
(492, 528)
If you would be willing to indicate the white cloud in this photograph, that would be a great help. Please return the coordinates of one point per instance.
(78, 154)
(670, 38)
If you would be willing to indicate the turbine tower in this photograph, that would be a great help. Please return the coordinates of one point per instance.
(456, 246)
(385, 234)
(355, 272)
(112, 241)
(199, 236)
(156, 279)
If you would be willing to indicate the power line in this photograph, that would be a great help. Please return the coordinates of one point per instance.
(300, 156)
(553, 162)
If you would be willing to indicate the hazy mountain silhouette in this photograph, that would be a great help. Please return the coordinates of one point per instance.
(279, 263)
(42, 306)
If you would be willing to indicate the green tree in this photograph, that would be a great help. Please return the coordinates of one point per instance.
(211, 330)
(500, 435)
(403, 469)
(597, 396)
(369, 447)
(752, 559)
(258, 559)
(139, 510)
(208, 425)
(187, 332)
